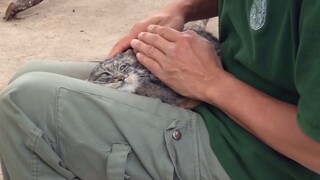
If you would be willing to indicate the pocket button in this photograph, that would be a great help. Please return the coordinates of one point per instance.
(176, 135)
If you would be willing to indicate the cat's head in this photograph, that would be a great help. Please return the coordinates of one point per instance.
(122, 72)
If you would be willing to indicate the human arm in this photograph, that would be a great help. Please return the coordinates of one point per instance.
(174, 15)
(188, 64)
(272, 121)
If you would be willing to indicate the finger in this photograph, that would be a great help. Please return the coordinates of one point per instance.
(120, 46)
(152, 65)
(148, 50)
(154, 40)
(124, 43)
(165, 32)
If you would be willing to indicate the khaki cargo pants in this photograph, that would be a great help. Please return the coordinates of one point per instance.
(54, 125)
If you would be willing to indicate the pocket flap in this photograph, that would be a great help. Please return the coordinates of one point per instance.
(116, 161)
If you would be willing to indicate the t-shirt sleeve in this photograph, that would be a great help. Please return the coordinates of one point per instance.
(307, 69)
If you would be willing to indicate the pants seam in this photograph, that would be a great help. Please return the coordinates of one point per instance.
(56, 122)
(35, 134)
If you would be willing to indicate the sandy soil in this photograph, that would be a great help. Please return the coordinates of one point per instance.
(73, 30)
(68, 30)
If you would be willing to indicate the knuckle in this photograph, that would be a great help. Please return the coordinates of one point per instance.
(186, 39)
(150, 50)
(152, 28)
(171, 50)
(141, 58)
(187, 36)
(156, 37)
(163, 30)
(141, 35)
(191, 33)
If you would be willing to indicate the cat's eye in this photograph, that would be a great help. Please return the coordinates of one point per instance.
(122, 67)
(105, 74)
(104, 77)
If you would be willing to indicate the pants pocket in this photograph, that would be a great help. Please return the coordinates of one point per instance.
(116, 161)
(45, 162)
(181, 143)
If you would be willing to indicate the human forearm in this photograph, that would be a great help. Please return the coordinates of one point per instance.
(194, 9)
(272, 121)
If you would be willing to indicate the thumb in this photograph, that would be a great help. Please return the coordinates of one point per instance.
(120, 46)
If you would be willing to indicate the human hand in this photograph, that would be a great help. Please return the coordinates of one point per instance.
(169, 16)
(184, 61)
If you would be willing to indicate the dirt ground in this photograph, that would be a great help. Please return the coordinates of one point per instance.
(73, 30)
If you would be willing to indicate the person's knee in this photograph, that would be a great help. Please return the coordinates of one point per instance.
(25, 104)
(30, 86)
(31, 66)
(32, 93)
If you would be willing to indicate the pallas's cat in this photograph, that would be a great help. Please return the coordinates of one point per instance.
(125, 73)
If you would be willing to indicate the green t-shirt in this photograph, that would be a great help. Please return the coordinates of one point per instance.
(274, 46)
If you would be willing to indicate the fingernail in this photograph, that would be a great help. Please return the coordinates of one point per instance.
(134, 42)
(150, 28)
(140, 34)
(138, 55)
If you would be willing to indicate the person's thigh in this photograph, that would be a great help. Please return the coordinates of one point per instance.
(101, 133)
(75, 69)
